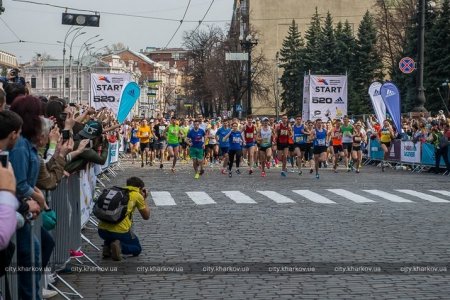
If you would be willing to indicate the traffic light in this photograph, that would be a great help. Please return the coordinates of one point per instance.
(2, 9)
(81, 20)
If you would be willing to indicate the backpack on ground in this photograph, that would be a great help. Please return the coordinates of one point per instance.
(112, 205)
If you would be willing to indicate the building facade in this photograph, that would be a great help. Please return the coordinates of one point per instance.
(271, 20)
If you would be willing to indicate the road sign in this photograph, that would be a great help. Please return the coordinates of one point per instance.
(407, 65)
(236, 56)
(238, 107)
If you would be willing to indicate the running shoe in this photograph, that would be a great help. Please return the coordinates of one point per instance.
(357, 170)
(250, 172)
(142, 164)
(230, 174)
(173, 170)
(292, 170)
(311, 171)
(268, 165)
(161, 166)
(300, 172)
(283, 174)
(202, 172)
(317, 176)
(197, 176)
(116, 251)
(238, 171)
(223, 171)
(76, 253)
(263, 174)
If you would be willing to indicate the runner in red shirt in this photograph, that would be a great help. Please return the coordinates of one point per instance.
(283, 132)
(249, 133)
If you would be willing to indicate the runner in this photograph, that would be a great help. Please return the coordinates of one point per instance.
(309, 156)
(249, 132)
(173, 133)
(358, 137)
(236, 138)
(212, 148)
(300, 137)
(283, 133)
(196, 141)
(347, 140)
(184, 146)
(144, 134)
(291, 157)
(134, 141)
(264, 138)
(386, 135)
(160, 144)
(336, 141)
(224, 144)
(152, 145)
(320, 145)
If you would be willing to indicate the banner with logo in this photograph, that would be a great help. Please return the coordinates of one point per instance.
(394, 153)
(428, 158)
(113, 152)
(327, 97)
(128, 97)
(377, 101)
(106, 90)
(88, 180)
(410, 152)
(305, 112)
(391, 98)
(375, 150)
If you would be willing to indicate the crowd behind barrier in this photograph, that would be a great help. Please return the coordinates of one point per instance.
(75, 200)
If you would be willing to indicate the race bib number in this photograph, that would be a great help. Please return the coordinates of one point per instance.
(321, 142)
(145, 134)
(283, 132)
(249, 135)
(266, 141)
(161, 129)
(236, 140)
(198, 138)
(134, 135)
(298, 139)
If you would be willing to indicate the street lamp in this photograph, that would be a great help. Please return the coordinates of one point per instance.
(70, 62)
(420, 99)
(69, 32)
(86, 47)
(248, 44)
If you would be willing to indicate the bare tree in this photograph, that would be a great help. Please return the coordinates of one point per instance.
(116, 47)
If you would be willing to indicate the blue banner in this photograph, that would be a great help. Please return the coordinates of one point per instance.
(130, 93)
(428, 157)
(391, 98)
(375, 151)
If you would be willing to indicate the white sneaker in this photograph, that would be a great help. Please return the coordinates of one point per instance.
(47, 294)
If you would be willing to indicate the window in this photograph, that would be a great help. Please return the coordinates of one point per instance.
(67, 82)
(54, 83)
(33, 82)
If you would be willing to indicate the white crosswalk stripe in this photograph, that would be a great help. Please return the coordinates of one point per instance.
(387, 196)
(162, 198)
(200, 198)
(423, 196)
(314, 197)
(276, 197)
(238, 197)
(350, 196)
(445, 193)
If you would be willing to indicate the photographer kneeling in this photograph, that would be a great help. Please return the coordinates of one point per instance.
(115, 228)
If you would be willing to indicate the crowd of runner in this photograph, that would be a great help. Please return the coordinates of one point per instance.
(261, 143)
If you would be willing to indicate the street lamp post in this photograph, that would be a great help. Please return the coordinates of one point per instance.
(70, 63)
(86, 48)
(70, 31)
(420, 99)
(248, 44)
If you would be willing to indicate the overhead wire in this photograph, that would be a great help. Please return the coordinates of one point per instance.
(10, 29)
(201, 21)
(179, 25)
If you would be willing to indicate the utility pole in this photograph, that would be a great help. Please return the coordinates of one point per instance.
(420, 99)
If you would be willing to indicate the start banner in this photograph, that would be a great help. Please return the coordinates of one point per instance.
(106, 90)
(327, 96)
(410, 152)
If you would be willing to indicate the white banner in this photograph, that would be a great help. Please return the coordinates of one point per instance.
(328, 97)
(410, 152)
(87, 190)
(377, 101)
(114, 152)
(305, 112)
(106, 90)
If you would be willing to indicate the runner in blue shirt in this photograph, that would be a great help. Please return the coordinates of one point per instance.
(224, 144)
(196, 140)
(299, 138)
(320, 145)
(236, 139)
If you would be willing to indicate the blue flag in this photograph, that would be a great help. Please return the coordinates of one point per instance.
(391, 98)
(130, 93)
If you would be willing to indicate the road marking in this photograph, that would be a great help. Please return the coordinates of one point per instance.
(350, 196)
(445, 193)
(162, 199)
(387, 196)
(238, 197)
(314, 197)
(278, 198)
(200, 198)
(422, 196)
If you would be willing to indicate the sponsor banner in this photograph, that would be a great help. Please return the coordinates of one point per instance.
(327, 97)
(410, 152)
(305, 112)
(394, 153)
(375, 150)
(128, 97)
(428, 157)
(106, 90)
(377, 101)
(391, 98)
(87, 190)
(113, 152)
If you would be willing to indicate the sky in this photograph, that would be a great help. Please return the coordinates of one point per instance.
(41, 29)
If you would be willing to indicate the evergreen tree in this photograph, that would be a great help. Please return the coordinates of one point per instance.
(368, 65)
(313, 43)
(345, 49)
(291, 55)
(327, 44)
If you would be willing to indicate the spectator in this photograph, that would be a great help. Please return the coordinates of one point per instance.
(2, 100)
(118, 238)
(14, 90)
(440, 143)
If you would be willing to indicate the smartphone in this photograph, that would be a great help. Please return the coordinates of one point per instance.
(73, 104)
(63, 116)
(4, 156)
(66, 135)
